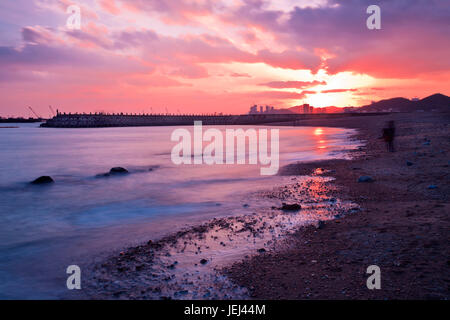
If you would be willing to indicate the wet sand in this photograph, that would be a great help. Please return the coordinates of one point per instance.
(322, 250)
(188, 264)
(403, 226)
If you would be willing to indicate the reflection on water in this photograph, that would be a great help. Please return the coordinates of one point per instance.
(188, 264)
(81, 216)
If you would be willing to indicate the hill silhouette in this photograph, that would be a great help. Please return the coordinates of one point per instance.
(436, 101)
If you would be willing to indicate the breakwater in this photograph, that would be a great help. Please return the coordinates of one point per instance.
(78, 120)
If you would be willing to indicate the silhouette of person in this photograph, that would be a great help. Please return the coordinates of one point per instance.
(389, 135)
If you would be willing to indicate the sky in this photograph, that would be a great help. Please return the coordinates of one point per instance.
(200, 56)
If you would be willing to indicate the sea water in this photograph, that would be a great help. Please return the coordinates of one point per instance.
(84, 215)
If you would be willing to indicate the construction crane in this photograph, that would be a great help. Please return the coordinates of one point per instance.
(53, 111)
(37, 116)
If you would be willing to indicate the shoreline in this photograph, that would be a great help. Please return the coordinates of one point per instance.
(402, 226)
(186, 264)
(292, 266)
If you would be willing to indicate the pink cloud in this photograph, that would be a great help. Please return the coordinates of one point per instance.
(293, 84)
(174, 11)
(240, 75)
(109, 6)
(191, 72)
(338, 90)
(116, 63)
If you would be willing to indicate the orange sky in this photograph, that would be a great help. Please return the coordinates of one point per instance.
(199, 56)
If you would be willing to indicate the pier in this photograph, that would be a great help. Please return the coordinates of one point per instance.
(81, 120)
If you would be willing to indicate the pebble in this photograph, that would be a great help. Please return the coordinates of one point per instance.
(366, 179)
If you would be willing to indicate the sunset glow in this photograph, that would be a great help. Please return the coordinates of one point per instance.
(216, 56)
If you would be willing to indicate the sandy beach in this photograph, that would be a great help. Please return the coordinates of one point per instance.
(398, 222)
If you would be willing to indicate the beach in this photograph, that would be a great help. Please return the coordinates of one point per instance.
(229, 154)
(402, 226)
(398, 222)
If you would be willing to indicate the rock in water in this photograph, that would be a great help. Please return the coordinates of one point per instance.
(291, 207)
(409, 163)
(203, 261)
(43, 180)
(366, 179)
(118, 170)
(432, 186)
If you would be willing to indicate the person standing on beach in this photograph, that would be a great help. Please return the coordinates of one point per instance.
(389, 135)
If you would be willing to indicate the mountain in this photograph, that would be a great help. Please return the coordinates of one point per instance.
(329, 109)
(434, 102)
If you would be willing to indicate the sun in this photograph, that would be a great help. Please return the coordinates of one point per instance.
(320, 100)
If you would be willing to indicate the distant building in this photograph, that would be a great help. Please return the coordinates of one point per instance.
(253, 109)
(262, 110)
(307, 108)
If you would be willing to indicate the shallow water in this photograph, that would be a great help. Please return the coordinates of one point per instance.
(81, 217)
(191, 263)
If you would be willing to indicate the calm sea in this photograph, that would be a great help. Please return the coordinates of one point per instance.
(82, 217)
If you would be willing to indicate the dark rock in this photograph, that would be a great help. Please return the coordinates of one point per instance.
(291, 207)
(43, 180)
(262, 250)
(203, 261)
(366, 179)
(118, 170)
(432, 186)
(118, 293)
(409, 163)
(139, 267)
(100, 175)
(181, 292)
